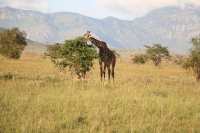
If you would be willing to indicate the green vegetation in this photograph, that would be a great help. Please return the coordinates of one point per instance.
(74, 54)
(156, 53)
(140, 59)
(193, 62)
(12, 43)
(36, 98)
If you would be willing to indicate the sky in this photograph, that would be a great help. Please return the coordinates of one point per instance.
(123, 9)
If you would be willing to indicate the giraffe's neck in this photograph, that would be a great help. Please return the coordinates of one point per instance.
(96, 42)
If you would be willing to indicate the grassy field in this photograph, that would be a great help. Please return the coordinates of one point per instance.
(35, 97)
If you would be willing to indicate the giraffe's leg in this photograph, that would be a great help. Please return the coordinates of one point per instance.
(101, 69)
(104, 71)
(113, 68)
(113, 73)
(109, 72)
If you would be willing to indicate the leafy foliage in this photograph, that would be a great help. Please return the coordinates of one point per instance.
(156, 53)
(12, 43)
(140, 59)
(74, 54)
(53, 51)
(193, 62)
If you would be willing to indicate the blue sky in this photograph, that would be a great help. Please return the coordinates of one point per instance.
(124, 9)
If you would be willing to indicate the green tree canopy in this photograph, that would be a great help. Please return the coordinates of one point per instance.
(156, 53)
(140, 59)
(12, 43)
(74, 54)
(193, 62)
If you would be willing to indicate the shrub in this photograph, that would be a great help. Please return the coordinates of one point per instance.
(7, 76)
(140, 59)
(54, 52)
(74, 54)
(156, 53)
(193, 61)
(12, 43)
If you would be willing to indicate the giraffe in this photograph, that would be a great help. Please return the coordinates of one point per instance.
(107, 58)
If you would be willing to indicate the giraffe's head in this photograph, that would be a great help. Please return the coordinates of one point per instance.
(87, 35)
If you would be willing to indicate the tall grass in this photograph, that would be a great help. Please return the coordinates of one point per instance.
(38, 98)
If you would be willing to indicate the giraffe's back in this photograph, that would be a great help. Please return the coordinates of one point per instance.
(106, 55)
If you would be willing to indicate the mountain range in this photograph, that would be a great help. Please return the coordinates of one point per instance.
(172, 26)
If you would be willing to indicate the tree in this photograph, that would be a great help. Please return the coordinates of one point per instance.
(193, 61)
(12, 43)
(54, 52)
(156, 53)
(140, 59)
(74, 54)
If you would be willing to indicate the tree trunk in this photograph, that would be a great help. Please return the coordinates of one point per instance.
(157, 61)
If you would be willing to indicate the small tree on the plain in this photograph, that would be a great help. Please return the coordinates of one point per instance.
(53, 51)
(140, 59)
(156, 53)
(12, 43)
(73, 54)
(193, 61)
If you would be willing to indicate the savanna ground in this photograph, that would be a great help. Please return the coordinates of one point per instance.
(35, 97)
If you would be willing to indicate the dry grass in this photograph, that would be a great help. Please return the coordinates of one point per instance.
(36, 97)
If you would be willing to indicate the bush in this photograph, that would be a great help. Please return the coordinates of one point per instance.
(140, 59)
(7, 76)
(193, 61)
(54, 52)
(12, 43)
(73, 54)
(156, 53)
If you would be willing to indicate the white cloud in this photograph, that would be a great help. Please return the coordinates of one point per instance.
(139, 7)
(40, 5)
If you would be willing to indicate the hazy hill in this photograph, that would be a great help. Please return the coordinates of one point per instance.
(35, 47)
(1, 29)
(171, 26)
